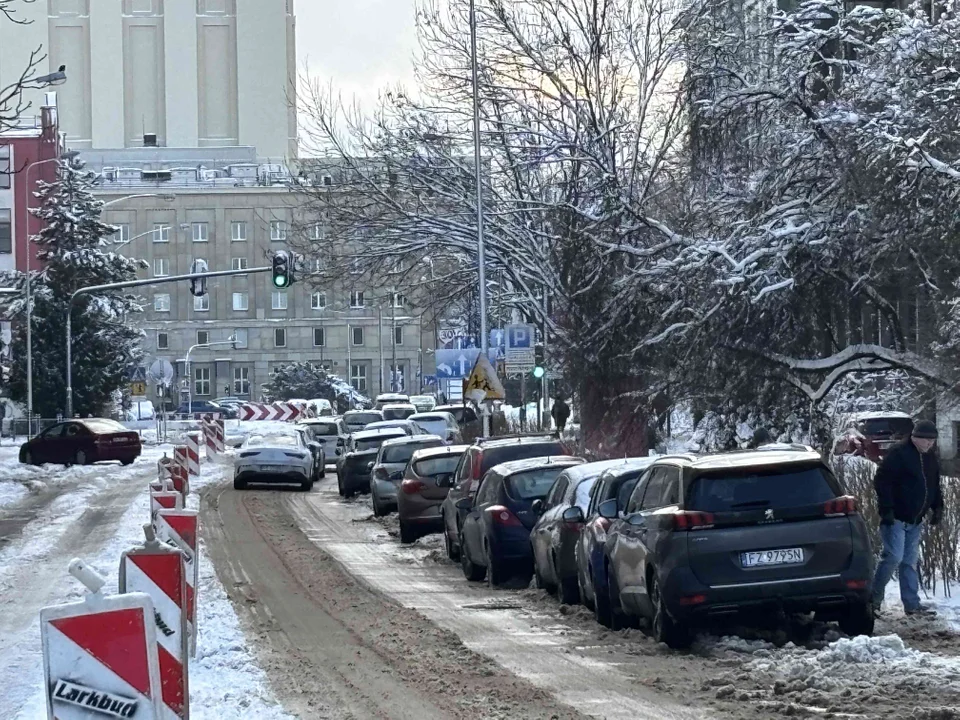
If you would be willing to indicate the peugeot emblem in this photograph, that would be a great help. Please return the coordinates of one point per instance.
(768, 515)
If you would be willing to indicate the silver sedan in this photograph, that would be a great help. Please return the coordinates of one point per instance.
(275, 459)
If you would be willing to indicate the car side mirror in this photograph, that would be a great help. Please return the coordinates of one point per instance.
(608, 509)
(464, 504)
(573, 515)
(397, 475)
(537, 507)
(315, 447)
(370, 466)
(637, 520)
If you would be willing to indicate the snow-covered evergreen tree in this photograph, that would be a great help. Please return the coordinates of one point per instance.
(106, 346)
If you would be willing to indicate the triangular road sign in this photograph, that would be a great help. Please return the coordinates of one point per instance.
(484, 377)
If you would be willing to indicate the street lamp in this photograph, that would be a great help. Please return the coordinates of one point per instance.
(164, 197)
(68, 155)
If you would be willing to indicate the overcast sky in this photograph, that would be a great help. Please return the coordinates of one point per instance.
(361, 45)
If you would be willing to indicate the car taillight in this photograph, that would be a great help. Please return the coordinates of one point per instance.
(249, 453)
(411, 487)
(692, 520)
(503, 517)
(845, 505)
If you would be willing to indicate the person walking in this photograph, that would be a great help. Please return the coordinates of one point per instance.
(560, 412)
(908, 487)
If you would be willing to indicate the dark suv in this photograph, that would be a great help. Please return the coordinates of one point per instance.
(480, 457)
(743, 534)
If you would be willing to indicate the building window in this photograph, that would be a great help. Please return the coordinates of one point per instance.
(316, 232)
(201, 303)
(398, 300)
(279, 299)
(398, 335)
(319, 337)
(217, 7)
(5, 167)
(318, 301)
(356, 299)
(278, 230)
(280, 337)
(6, 233)
(203, 337)
(161, 233)
(201, 232)
(357, 335)
(317, 265)
(355, 268)
(161, 302)
(163, 341)
(358, 377)
(239, 263)
(241, 381)
(238, 231)
(201, 377)
(240, 338)
(161, 267)
(241, 301)
(121, 235)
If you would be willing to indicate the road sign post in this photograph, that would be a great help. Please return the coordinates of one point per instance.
(519, 348)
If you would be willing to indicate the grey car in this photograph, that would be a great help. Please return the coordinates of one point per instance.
(354, 466)
(737, 535)
(358, 419)
(387, 471)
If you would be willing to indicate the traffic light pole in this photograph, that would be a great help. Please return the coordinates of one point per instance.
(132, 284)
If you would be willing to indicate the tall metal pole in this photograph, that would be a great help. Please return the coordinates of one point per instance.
(380, 338)
(393, 343)
(349, 367)
(481, 253)
(69, 358)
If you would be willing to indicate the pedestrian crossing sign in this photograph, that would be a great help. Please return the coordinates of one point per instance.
(483, 377)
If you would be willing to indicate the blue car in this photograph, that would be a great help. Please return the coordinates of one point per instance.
(495, 537)
(613, 483)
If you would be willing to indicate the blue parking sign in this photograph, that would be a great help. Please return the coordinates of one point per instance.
(519, 336)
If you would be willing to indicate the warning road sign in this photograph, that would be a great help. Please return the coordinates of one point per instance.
(484, 378)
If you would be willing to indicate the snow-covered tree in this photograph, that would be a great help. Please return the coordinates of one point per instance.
(106, 345)
(309, 381)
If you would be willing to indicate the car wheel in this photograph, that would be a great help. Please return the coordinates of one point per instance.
(663, 627)
(541, 582)
(26, 458)
(80, 458)
(239, 484)
(601, 602)
(618, 618)
(858, 619)
(496, 572)
(471, 571)
(323, 470)
(377, 510)
(126, 462)
(582, 587)
(567, 591)
(408, 533)
(306, 485)
(453, 552)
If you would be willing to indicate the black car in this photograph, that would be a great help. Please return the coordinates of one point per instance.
(738, 535)
(355, 467)
(208, 407)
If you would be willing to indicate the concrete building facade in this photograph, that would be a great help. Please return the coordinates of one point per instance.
(178, 73)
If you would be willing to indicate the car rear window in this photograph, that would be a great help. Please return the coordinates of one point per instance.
(324, 428)
(398, 413)
(104, 426)
(441, 465)
(888, 426)
(372, 443)
(362, 418)
(761, 488)
(403, 453)
(532, 484)
(520, 451)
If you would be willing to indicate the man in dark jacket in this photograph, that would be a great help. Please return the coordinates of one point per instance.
(560, 412)
(908, 486)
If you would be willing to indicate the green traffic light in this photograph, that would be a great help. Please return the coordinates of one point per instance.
(280, 281)
(538, 372)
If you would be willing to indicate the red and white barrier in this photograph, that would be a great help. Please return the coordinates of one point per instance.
(100, 656)
(180, 528)
(164, 500)
(193, 453)
(214, 437)
(282, 411)
(158, 570)
(180, 470)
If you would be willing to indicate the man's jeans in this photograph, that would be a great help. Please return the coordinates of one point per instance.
(901, 547)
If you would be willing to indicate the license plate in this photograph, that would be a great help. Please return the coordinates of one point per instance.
(272, 468)
(789, 556)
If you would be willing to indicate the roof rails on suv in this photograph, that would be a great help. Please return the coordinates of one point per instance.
(518, 436)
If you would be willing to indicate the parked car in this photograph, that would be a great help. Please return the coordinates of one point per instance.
(321, 407)
(359, 419)
(208, 407)
(465, 414)
(316, 449)
(140, 410)
(388, 468)
(480, 457)
(398, 411)
(872, 434)
(495, 535)
(560, 518)
(426, 482)
(616, 483)
(439, 423)
(230, 400)
(738, 534)
(384, 399)
(331, 433)
(354, 466)
(423, 403)
(276, 459)
(410, 428)
(82, 442)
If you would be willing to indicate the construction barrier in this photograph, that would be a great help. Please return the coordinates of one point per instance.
(164, 500)
(193, 453)
(180, 529)
(214, 436)
(181, 469)
(100, 656)
(159, 570)
(282, 411)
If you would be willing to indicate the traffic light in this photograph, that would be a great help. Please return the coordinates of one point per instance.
(198, 286)
(282, 269)
(539, 368)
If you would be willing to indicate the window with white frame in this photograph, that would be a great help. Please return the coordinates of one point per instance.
(316, 232)
(241, 381)
(161, 267)
(203, 337)
(5, 167)
(317, 265)
(201, 378)
(278, 230)
(355, 268)
(161, 302)
(318, 301)
(122, 234)
(280, 337)
(356, 299)
(161, 233)
(163, 341)
(241, 301)
(357, 335)
(6, 232)
(240, 338)
(279, 300)
(201, 232)
(202, 303)
(358, 377)
(398, 300)
(238, 231)
(398, 335)
(240, 263)
(319, 337)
